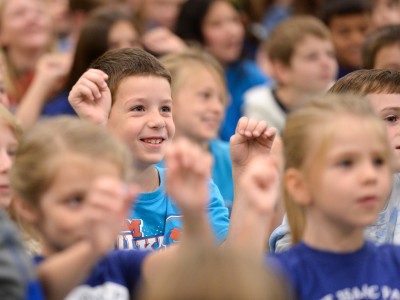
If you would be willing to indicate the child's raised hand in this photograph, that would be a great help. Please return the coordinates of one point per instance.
(188, 169)
(252, 138)
(108, 203)
(90, 96)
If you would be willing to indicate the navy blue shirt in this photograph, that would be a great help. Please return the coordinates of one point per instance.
(372, 272)
(115, 277)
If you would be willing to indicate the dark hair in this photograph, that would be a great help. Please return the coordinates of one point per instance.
(85, 5)
(332, 8)
(385, 36)
(93, 39)
(190, 20)
(121, 63)
(363, 82)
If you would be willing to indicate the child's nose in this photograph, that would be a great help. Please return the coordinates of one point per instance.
(369, 172)
(156, 121)
(5, 161)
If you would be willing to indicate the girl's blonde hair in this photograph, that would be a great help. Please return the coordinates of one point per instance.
(184, 64)
(36, 160)
(317, 118)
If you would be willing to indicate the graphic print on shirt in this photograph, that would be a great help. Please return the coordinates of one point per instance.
(137, 234)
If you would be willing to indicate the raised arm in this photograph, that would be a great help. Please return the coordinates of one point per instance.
(253, 139)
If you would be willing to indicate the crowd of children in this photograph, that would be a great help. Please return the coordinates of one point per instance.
(150, 149)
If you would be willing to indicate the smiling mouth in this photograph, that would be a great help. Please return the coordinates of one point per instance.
(152, 141)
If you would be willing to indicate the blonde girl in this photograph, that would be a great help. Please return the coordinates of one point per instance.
(200, 96)
(337, 179)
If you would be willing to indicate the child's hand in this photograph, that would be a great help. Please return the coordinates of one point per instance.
(51, 71)
(90, 97)
(187, 172)
(161, 40)
(252, 138)
(108, 203)
(260, 184)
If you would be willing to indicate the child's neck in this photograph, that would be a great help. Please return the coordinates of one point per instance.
(329, 236)
(204, 144)
(25, 60)
(146, 178)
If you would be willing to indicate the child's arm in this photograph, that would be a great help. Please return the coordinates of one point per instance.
(252, 139)
(187, 175)
(90, 97)
(260, 187)
(107, 206)
(50, 73)
(188, 170)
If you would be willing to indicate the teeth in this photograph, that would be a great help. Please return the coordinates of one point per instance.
(153, 141)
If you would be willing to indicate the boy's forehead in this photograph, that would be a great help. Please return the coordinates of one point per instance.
(382, 101)
(138, 86)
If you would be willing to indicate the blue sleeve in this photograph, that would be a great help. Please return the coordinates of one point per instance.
(34, 291)
(218, 214)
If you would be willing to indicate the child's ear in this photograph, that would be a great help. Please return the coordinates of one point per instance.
(281, 72)
(297, 187)
(25, 210)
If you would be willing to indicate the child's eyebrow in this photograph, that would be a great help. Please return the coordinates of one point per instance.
(391, 108)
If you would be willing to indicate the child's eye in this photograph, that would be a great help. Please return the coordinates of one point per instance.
(345, 163)
(166, 109)
(137, 108)
(11, 152)
(205, 95)
(74, 201)
(378, 161)
(391, 119)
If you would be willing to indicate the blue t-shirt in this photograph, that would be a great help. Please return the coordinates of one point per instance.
(155, 220)
(115, 277)
(240, 77)
(372, 272)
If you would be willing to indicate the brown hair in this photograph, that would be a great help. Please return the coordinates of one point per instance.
(178, 63)
(287, 35)
(316, 119)
(121, 63)
(33, 169)
(364, 82)
(381, 38)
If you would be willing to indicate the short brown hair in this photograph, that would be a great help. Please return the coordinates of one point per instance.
(287, 35)
(364, 82)
(121, 63)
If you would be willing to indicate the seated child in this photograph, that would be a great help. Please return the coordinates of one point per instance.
(337, 178)
(71, 180)
(349, 22)
(382, 89)
(303, 64)
(129, 91)
(198, 109)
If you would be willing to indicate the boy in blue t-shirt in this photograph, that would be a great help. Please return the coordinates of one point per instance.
(129, 91)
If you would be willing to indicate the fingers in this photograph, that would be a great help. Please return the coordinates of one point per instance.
(90, 85)
(250, 127)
